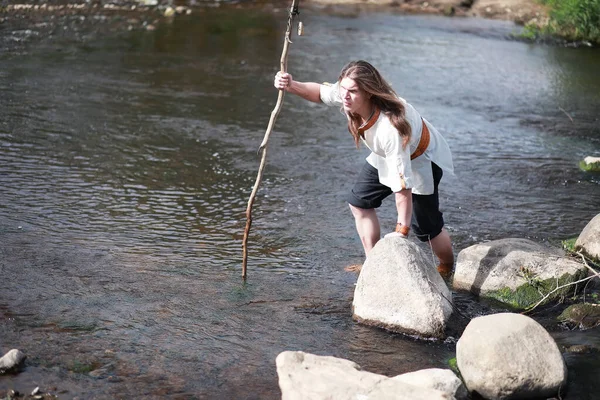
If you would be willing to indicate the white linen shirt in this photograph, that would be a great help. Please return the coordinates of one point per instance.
(395, 168)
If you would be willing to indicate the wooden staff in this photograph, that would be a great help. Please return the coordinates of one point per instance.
(263, 145)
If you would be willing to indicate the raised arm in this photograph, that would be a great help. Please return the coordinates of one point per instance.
(307, 90)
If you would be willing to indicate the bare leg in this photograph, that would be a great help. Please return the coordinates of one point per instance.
(442, 247)
(367, 226)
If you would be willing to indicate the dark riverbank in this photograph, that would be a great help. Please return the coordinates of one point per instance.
(29, 20)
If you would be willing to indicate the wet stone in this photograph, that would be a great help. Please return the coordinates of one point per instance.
(580, 349)
(582, 316)
(103, 372)
(11, 361)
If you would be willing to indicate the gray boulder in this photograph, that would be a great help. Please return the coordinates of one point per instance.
(510, 356)
(304, 376)
(517, 272)
(11, 361)
(443, 380)
(399, 289)
(588, 241)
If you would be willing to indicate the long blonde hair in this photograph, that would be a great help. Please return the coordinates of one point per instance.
(368, 78)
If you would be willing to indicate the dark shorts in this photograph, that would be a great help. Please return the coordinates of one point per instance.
(427, 219)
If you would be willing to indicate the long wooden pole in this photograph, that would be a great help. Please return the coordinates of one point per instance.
(263, 145)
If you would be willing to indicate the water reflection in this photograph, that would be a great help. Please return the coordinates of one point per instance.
(574, 104)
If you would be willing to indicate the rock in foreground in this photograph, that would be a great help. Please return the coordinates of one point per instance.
(510, 356)
(443, 380)
(304, 376)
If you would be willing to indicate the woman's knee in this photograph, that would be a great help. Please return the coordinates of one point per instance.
(358, 212)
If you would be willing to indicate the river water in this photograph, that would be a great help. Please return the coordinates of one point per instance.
(127, 160)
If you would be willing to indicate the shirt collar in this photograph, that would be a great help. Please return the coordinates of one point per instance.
(367, 125)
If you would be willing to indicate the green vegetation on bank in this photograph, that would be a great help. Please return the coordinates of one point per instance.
(590, 164)
(569, 245)
(574, 20)
(453, 364)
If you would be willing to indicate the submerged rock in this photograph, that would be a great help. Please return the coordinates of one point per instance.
(510, 356)
(588, 241)
(304, 376)
(582, 316)
(517, 272)
(399, 289)
(580, 349)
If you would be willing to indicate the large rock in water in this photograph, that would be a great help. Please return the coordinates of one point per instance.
(304, 376)
(399, 289)
(588, 241)
(517, 272)
(510, 356)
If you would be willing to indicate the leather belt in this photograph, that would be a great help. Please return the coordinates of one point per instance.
(423, 142)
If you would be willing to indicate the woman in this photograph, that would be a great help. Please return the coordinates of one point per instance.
(407, 156)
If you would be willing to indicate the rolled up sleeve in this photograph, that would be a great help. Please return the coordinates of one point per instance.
(330, 94)
(397, 160)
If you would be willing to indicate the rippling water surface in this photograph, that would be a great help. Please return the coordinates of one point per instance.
(126, 163)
